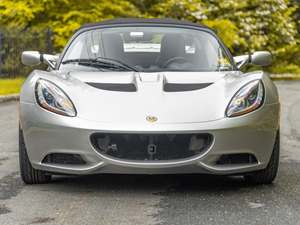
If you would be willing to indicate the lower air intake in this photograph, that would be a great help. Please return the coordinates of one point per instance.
(242, 158)
(148, 147)
(64, 158)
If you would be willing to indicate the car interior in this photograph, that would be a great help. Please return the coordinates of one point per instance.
(172, 53)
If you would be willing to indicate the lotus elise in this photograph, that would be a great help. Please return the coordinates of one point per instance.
(148, 96)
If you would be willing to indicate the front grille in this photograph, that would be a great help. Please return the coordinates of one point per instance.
(151, 146)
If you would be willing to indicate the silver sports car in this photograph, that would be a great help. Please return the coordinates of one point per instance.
(148, 96)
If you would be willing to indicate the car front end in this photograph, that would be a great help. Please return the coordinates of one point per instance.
(140, 135)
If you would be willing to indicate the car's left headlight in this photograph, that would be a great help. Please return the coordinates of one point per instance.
(249, 98)
(50, 97)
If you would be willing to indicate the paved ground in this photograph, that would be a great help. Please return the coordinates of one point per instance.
(154, 199)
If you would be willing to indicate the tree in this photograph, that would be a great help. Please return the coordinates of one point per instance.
(62, 16)
(261, 24)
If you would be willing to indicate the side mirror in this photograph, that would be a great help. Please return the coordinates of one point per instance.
(259, 58)
(31, 58)
(34, 58)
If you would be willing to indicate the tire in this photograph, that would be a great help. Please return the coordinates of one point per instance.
(267, 175)
(28, 174)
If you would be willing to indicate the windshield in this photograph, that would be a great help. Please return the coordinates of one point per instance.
(146, 49)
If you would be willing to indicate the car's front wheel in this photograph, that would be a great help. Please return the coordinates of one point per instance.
(267, 175)
(28, 174)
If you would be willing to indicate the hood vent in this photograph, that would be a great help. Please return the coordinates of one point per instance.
(168, 87)
(114, 86)
(178, 87)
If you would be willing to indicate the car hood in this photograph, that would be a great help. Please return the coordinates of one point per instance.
(190, 97)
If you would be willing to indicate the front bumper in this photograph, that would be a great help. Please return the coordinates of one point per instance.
(46, 133)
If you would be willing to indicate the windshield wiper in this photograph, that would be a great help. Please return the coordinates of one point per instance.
(102, 63)
(115, 62)
(84, 62)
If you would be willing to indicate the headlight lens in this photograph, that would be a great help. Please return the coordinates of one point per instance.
(247, 99)
(51, 97)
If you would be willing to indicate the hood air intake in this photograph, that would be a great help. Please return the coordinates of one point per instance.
(177, 87)
(168, 87)
(114, 87)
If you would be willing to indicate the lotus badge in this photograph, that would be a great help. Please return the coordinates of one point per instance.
(151, 119)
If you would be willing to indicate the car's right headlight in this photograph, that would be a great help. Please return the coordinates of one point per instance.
(50, 97)
(247, 99)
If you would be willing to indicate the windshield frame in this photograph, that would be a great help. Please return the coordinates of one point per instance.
(97, 27)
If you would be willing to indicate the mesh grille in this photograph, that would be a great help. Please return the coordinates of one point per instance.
(151, 146)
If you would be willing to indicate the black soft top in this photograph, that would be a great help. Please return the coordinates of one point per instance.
(124, 21)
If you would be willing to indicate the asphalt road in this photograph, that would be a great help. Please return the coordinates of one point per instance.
(177, 199)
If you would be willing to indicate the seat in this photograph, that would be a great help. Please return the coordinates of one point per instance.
(113, 46)
(172, 45)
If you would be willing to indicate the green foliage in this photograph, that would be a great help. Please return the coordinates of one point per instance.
(262, 24)
(226, 30)
(62, 16)
(285, 68)
(10, 86)
(244, 25)
(192, 10)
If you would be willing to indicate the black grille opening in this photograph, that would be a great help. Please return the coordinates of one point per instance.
(64, 158)
(242, 158)
(151, 146)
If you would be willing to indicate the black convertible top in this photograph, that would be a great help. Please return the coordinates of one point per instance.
(124, 21)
